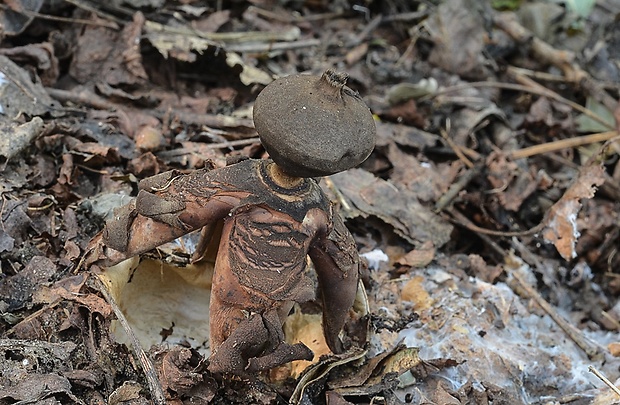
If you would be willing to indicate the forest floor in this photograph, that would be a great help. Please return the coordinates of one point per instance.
(487, 214)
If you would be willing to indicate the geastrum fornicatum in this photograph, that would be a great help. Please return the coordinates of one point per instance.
(274, 216)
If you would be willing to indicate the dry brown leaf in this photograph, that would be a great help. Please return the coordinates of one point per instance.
(129, 391)
(70, 289)
(17, 291)
(419, 257)
(514, 183)
(105, 55)
(560, 224)
(177, 370)
(614, 349)
(367, 195)
(406, 113)
(457, 30)
(414, 291)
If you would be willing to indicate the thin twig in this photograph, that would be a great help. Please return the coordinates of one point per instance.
(604, 379)
(406, 17)
(339, 196)
(81, 97)
(157, 392)
(458, 217)
(272, 46)
(291, 18)
(208, 120)
(562, 144)
(466, 223)
(562, 59)
(457, 149)
(220, 38)
(550, 77)
(592, 350)
(48, 17)
(206, 146)
(85, 6)
(456, 187)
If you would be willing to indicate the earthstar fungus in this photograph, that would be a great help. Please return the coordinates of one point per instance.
(272, 215)
(314, 125)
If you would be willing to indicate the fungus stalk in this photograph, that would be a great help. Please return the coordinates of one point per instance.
(281, 178)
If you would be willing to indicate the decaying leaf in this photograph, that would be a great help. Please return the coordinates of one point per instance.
(561, 220)
(179, 370)
(249, 74)
(20, 96)
(419, 257)
(587, 124)
(17, 291)
(515, 183)
(18, 15)
(27, 362)
(367, 195)
(183, 42)
(37, 389)
(406, 91)
(315, 375)
(128, 392)
(40, 55)
(452, 28)
(104, 55)
(69, 288)
(426, 180)
(348, 376)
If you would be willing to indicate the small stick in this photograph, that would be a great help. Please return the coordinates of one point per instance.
(157, 392)
(562, 144)
(207, 146)
(272, 46)
(466, 223)
(455, 188)
(40, 16)
(561, 59)
(339, 196)
(288, 18)
(85, 6)
(209, 120)
(457, 149)
(82, 97)
(591, 349)
(610, 319)
(550, 77)
(461, 220)
(604, 379)
(223, 39)
(371, 26)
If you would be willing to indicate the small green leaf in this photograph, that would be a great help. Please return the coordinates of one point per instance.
(506, 5)
(583, 8)
(587, 124)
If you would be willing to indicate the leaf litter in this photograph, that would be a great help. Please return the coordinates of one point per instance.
(489, 220)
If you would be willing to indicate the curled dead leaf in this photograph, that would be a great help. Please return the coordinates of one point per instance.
(419, 257)
(560, 224)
